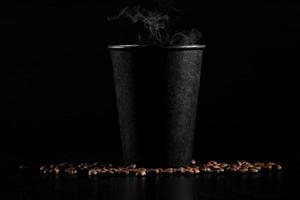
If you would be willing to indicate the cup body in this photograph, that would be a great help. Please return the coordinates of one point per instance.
(157, 93)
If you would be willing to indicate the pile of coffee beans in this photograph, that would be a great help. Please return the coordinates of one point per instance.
(96, 169)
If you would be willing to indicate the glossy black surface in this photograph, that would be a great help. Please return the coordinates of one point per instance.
(276, 185)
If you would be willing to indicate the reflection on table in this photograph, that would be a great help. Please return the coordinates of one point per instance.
(204, 186)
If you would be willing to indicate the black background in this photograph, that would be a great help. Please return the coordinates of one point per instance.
(56, 88)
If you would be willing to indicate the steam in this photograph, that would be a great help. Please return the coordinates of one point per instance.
(156, 25)
(186, 38)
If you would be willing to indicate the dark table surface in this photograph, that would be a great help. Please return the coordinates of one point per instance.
(269, 185)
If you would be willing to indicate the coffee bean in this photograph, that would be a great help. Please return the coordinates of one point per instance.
(268, 167)
(21, 167)
(257, 167)
(111, 172)
(233, 169)
(254, 170)
(244, 162)
(85, 166)
(132, 166)
(236, 166)
(180, 170)
(221, 170)
(223, 165)
(259, 164)
(206, 169)
(103, 172)
(118, 170)
(215, 167)
(141, 173)
(193, 162)
(81, 165)
(92, 172)
(52, 171)
(196, 170)
(157, 171)
(239, 163)
(71, 170)
(130, 171)
(168, 171)
(190, 171)
(213, 162)
(57, 170)
(278, 167)
(271, 163)
(227, 168)
(124, 172)
(42, 168)
(46, 171)
(153, 171)
(160, 169)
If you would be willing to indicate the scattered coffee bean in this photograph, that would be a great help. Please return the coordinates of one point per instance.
(95, 168)
(111, 171)
(270, 167)
(271, 163)
(52, 171)
(132, 166)
(223, 165)
(239, 163)
(212, 162)
(233, 169)
(103, 172)
(43, 167)
(196, 171)
(57, 170)
(193, 162)
(153, 171)
(278, 167)
(206, 169)
(257, 167)
(267, 167)
(92, 172)
(253, 170)
(141, 172)
(124, 172)
(215, 167)
(71, 171)
(180, 170)
(258, 164)
(168, 171)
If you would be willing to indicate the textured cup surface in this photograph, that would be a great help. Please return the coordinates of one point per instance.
(157, 93)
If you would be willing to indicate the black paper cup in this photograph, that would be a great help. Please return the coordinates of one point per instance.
(157, 93)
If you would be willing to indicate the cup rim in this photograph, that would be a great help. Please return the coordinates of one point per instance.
(134, 46)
